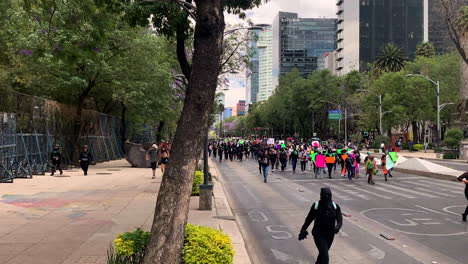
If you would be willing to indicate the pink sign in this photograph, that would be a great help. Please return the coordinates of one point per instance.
(320, 161)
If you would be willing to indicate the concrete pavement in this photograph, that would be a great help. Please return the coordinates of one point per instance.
(74, 219)
(423, 214)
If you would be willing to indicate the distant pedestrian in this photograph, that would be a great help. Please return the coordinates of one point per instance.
(319, 164)
(220, 152)
(164, 158)
(86, 158)
(293, 158)
(265, 162)
(330, 161)
(383, 161)
(464, 178)
(283, 157)
(328, 222)
(350, 166)
(371, 169)
(210, 149)
(152, 156)
(411, 145)
(56, 160)
(382, 147)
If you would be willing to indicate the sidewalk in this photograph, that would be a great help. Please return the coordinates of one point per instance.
(428, 155)
(73, 219)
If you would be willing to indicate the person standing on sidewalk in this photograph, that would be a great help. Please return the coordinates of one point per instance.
(56, 160)
(164, 158)
(86, 158)
(152, 156)
(328, 222)
(464, 178)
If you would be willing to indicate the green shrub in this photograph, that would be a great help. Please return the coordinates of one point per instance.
(450, 155)
(204, 245)
(197, 180)
(129, 248)
(378, 140)
(418, 147)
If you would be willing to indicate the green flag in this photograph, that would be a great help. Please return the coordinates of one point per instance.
(394, 156)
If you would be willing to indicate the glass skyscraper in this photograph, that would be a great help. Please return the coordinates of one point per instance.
(301, 43)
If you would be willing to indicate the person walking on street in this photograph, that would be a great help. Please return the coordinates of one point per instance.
(215, 150)
(164, 158)
(293, 158)
(464, 178)
(330, 161)
(210, 149)
(86, 158)
(152, 156)
(56, 160)
(264, 159)
(303, 159)
(328, 222)
(220, 153)
(371, 168)
(273, 156)
(350, 166)
(283, 157)
(383, 161)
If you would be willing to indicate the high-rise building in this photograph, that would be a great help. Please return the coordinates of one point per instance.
(265, 65)
(227, 112)
(240, 108)
(435, 26)
(253, 70)
(330, 61)
(365, 26)
(300, 43)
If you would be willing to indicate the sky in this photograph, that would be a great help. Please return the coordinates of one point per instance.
(265, 15)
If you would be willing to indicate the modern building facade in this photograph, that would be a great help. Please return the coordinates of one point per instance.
(435, 26)
(240, 108)
(227, 112)
(330, 61)
(265, 65)
(253, 70)
(365, 26)
(300, 43)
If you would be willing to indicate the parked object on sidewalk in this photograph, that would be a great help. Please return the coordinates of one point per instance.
(328, 222)
(464, 178)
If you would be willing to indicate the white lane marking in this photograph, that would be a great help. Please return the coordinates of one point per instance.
(373, 193)
(452, 221)
(263, 218)
(425, 190)
(376, 253)
(396, 193)
(446, 209)
(285, 234)
(280, 255)
(430, 210)
(343, 234)
(445, 185)
(336, 193)
(362, 196)
(411, 191)
(418, 183)
(432, 223)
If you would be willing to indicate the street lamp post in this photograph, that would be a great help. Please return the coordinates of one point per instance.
(380, 106)
(439, 107)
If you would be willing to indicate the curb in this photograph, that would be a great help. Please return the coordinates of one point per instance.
(439, 176)
(226, 220)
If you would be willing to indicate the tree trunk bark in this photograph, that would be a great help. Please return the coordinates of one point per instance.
(160, 130)
(170, 217)
(464, 84)
(123, 126)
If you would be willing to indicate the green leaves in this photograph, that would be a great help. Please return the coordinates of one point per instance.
(390, 59)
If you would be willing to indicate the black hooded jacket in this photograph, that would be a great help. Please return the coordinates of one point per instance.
(328, 220)
(460, 178)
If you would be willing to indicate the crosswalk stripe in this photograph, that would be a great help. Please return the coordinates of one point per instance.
(425, 190)
(352, 192)
(444, 185)
(338, 195)
(373, 193)
(411, 191)
(396, 193)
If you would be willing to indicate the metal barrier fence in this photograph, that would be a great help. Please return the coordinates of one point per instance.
(30, 126)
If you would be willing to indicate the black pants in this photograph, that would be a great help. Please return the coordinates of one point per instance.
(466, 195)
(323, 243)
(303, 165)
(273, 162)
(260, 167)
(220, 157)
(294, 164)
(209, 153)
(226, 156)
(231, 156)
(330, 168)
(214, 154)
(84, 166)
(56, 166)
(283, 164)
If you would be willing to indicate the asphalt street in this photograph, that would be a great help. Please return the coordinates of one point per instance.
(453, 165)
(422, 214)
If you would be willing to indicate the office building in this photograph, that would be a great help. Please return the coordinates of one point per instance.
(365, 26)
(330, 61)
(300, 43)
(240, 108)
(253, 70)
(265, 65)
(435, 26)
(227, 113)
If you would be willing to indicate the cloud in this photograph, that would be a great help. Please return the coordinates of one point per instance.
(236, 90)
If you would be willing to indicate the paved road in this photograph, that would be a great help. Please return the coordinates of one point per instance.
(421, 213)
(453, 165)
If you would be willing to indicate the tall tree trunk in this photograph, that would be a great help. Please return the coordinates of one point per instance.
(415, 132)
(123, 126)
(464, 84)
(170, 217)
(160, 130)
